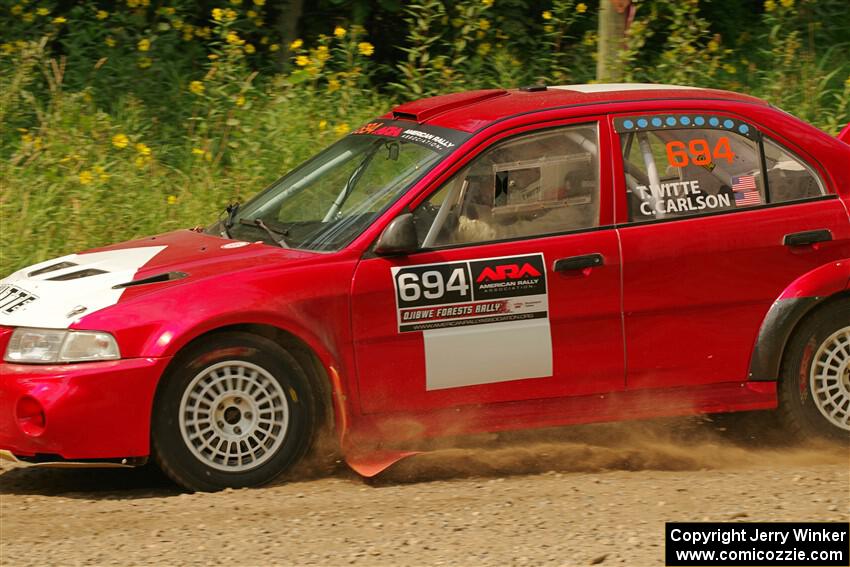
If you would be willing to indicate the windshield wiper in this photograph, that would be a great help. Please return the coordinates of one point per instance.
(231, 211)
(273, 234)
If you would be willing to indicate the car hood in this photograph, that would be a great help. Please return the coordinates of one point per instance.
(59, 292)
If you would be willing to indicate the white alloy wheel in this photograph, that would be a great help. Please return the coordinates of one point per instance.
(234, 416)
(830, 378)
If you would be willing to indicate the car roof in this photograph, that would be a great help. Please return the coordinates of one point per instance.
(473, 110)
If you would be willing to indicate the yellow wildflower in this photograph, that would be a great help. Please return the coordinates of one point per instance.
(333, 85)
(323, 124)
(229, 14)
(729, 68)
(169, 11)
(240, 100)
(548, 28)
(365, 48)
(196, 87)
(218, 14)
(249, 49)
(101, 14)
(547, 15)
(339, 32)
(302, 60)
(42, 11)
(109, 41)
(7, 48)
(251, 14)
(322, 53)
(120, 141)
(234, 39)
(259, 22)
(145, 62)
(177, 24)
(259, 2)
(212, 56)
(236, 2)
(769, 5)
(59, 21)
(17, 9)
(483, 49)
(133, 3)
(28, 17)
(143, 149)
(484, 24)
(787, 3)
(341, 129)
(274, 47)
(198, 151)
(141, 161)
(713, 46)
(581, 7)
(296, 44)
(487, 3)
(144, 45)
(171, 200)
(101, 173)
(85, 177)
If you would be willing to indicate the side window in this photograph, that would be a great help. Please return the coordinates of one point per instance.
(535, 184)
(675, 172)
(788, 177)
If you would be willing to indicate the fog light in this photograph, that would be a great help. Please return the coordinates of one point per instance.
(30, 416)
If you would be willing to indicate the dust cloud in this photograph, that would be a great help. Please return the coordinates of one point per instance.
(680, 444)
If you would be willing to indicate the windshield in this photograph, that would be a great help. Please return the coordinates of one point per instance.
(328, 201)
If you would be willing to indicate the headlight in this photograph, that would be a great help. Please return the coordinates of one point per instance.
(55, 345)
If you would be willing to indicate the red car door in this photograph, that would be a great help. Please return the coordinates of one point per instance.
(516, 292)
(716, 211)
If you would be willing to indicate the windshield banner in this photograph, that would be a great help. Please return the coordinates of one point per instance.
(443, 140)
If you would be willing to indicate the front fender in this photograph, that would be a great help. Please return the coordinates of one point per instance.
(796, 301)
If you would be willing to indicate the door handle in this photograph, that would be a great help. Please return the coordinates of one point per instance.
(578, 262)
(807, 238)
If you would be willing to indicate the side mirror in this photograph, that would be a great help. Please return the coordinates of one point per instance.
(399, 237)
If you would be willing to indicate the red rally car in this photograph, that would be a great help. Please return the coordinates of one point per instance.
(473, 262)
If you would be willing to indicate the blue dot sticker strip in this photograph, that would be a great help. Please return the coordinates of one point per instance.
(684, 121)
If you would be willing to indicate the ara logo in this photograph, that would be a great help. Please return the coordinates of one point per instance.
(507, 272)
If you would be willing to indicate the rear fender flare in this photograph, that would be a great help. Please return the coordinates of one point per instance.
(796, 301)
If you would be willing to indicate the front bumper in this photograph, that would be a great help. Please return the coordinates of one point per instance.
(91, 411)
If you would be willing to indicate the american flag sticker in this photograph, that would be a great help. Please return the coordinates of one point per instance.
(745, 190)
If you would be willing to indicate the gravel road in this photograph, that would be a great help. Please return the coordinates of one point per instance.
(581, 496)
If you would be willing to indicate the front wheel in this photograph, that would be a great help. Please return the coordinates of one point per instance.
(235, 411)
(814, 393)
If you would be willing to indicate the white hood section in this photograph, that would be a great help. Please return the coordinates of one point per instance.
(46, 299)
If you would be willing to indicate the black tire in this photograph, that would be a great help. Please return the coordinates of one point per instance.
(798, 408)
(290, 400)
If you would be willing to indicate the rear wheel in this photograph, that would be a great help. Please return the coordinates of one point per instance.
(235, 411)
(814, 393)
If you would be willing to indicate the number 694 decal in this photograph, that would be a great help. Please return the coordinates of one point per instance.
(474, 292)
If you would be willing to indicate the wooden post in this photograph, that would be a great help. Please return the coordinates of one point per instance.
(612, 29)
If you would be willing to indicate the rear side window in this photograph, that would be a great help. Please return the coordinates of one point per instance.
(788, 177)
(688, 164)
